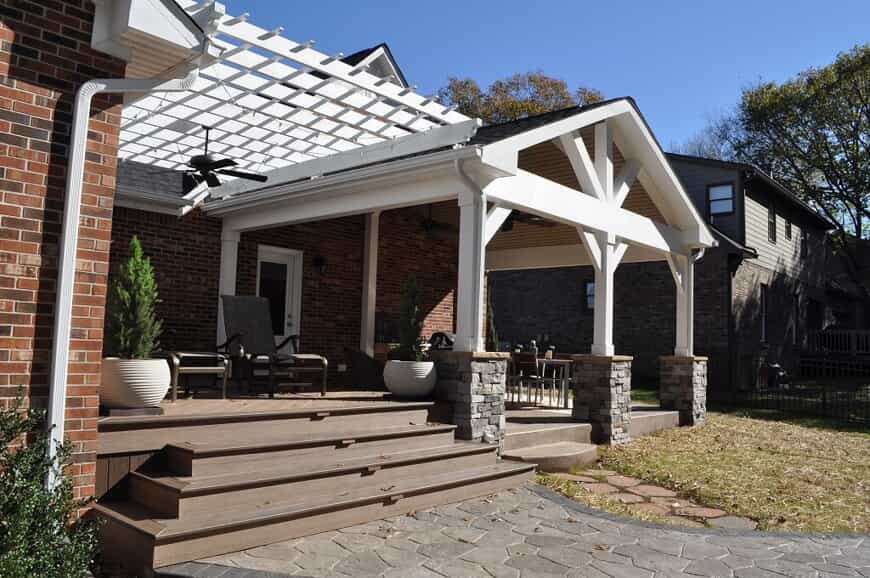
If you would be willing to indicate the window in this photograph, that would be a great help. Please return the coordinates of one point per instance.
(788, 228)
(804, 244)
(771, 223)
(763, 305)
(720, 199)
(589, 294)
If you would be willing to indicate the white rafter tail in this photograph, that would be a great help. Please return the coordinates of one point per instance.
(604, 158)
(575, 149)
(495, 218)
(624, 181)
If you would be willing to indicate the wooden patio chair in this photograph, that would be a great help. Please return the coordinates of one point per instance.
(525, 371)
(250, 343)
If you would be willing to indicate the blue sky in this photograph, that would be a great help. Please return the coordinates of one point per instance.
(682, 60)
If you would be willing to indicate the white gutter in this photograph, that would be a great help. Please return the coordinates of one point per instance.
(70, 234)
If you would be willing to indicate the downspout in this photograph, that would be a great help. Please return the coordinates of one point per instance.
(70, 234)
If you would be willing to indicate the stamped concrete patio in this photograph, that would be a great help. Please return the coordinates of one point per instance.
(535, 532)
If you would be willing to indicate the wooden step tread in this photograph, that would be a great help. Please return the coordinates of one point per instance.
(300, 469)
(117, 423)
(262, 442)
(172, 530)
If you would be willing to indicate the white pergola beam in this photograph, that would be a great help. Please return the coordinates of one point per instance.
(583, 166)
(531, 193)
(495, 218)
(556, 256)
(624, 181)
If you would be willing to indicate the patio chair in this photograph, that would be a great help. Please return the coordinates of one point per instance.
(250, 342)
(525, 371)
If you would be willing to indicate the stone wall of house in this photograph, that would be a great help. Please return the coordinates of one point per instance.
(45, 55)
(185, 253)
(549, 305)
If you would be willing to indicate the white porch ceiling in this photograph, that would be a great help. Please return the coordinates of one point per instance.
(271, 103)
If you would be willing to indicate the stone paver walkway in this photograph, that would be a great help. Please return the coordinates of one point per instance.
(644, 497)
(535, 532)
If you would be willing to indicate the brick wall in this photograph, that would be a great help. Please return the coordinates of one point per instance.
(44, 56)
(185, 253)
(406, 249)
(547, 305)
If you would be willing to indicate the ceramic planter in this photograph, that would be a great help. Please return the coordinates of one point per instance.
(413, 379)
(134, 383)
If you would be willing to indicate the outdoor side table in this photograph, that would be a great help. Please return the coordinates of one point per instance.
(197, 363)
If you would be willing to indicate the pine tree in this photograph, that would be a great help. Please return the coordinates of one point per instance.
(132, 328)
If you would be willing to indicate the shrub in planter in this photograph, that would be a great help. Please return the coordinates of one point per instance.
(130, 378)
(408, 373)
(39, 532)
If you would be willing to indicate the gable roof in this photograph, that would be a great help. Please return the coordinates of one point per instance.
(754, 172)
(381, 50)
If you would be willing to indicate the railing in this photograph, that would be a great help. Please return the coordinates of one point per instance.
(839, 402)
(839, 342)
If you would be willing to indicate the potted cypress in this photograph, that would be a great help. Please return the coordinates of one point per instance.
(130, 378)
(408, 373)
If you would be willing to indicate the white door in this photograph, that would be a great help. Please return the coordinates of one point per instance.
(279, 279)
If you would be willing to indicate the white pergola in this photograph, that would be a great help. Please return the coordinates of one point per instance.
(336, 140)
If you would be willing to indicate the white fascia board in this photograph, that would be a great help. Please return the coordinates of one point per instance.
(126, 28)
(132, 198)
(290, 192)
(533, 194)
(349, 194)
(435, 138)
(556, 256)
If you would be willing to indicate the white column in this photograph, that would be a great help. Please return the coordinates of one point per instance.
(685, 306)
(227, 278)
(611, 253)
(370, 283)
(472, 247)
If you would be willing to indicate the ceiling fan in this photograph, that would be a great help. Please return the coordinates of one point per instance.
(206, 168)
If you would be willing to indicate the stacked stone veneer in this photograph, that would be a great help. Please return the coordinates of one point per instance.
(683, 387)
(475, 384)
(602, 395)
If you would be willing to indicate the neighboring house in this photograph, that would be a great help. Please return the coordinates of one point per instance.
(758, 293)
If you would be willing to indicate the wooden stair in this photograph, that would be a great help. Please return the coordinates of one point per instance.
(220, 485)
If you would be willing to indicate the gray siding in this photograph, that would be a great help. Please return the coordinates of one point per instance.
(696, 177)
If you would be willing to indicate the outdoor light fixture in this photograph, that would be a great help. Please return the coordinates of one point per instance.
(319, 264)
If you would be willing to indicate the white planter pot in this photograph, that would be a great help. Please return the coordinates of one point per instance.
(413, 379)
(134, 383)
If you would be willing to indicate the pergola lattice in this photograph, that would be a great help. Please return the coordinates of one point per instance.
(272, 102)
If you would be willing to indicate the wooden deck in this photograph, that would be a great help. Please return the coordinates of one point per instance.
(204, 404)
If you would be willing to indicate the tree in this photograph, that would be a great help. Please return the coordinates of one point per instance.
(714, 141)
(811, 133)
(523, 94)
(132, 324)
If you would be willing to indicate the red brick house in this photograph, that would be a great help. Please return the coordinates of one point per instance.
(101, 108)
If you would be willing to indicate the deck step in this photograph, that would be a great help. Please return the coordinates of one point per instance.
(119, 435)
(241, 487)
(520, 435)
(141, 539)
(647, 421)
(191, 459)
(555, 457)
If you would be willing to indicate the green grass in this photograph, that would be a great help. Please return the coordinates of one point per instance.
(786, 475)
(645, 395)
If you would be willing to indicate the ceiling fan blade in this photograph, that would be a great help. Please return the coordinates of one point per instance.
(190, 180)
(222, 163)
(212, 180)
(242, 175)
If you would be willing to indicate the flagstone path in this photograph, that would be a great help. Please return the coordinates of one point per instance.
(534, 532)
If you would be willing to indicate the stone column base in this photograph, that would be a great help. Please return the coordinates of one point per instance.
(475, 383)
(683, 387)
(602, 395)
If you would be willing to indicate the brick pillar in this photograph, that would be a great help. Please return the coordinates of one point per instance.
(475, 384)
(683, 387)
(602, 395)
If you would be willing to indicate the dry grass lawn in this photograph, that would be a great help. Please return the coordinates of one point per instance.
(786, 476)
